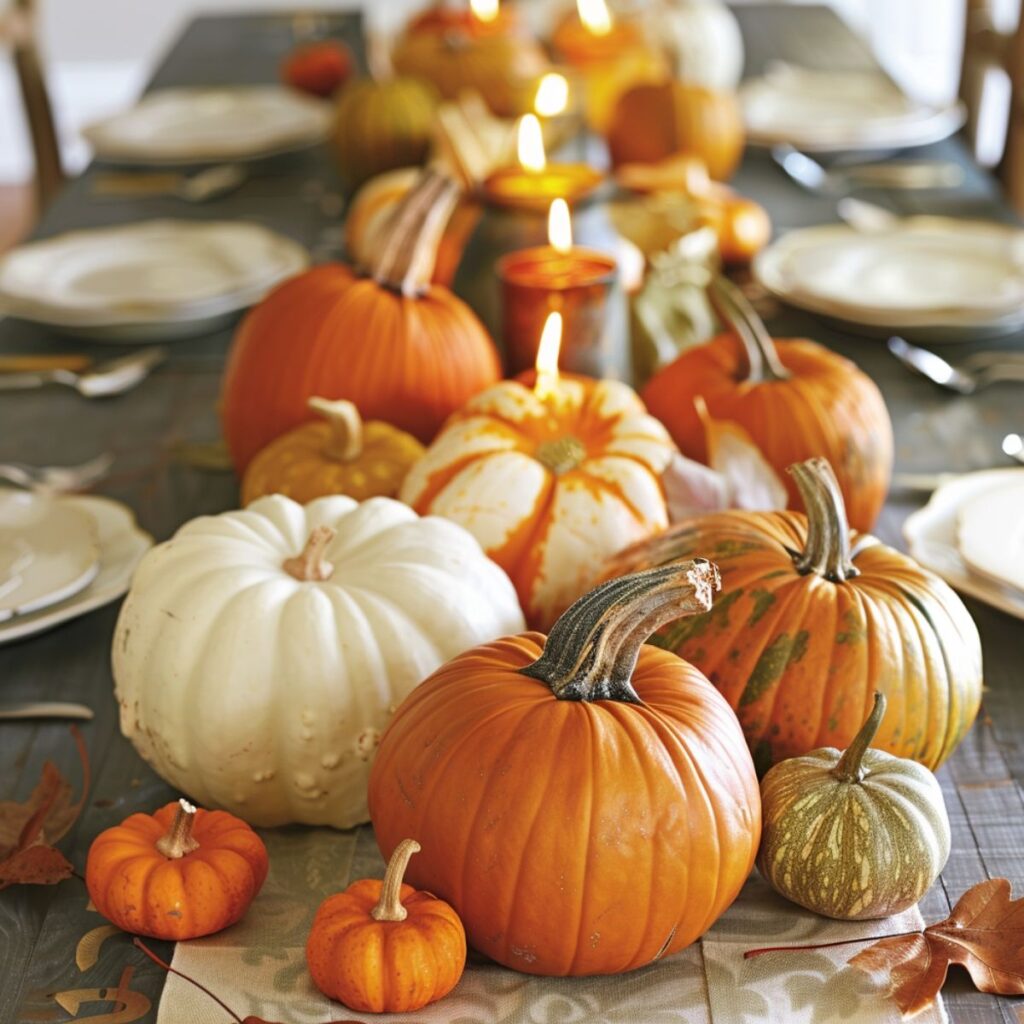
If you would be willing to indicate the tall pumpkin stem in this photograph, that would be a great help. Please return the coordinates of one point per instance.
(849, 767)
(389, 906)
(827, 551)
(591, 651)
(346, 439)
(309, 564)
(763, 362)
(406, 246)
(178, 840)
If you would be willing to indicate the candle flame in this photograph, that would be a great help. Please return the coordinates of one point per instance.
(547, 357)
(531, 144)
(595, 16)
(552, 95)
(560, 226)
(484, 10)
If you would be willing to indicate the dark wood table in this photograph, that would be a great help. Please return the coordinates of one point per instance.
(41, 928)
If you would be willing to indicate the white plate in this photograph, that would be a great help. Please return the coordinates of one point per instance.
(825, 111)
(931, 534)
(48, 551)
(121, 545)
(921, 273)
(990, 534)
(208, 125)
(164, 277)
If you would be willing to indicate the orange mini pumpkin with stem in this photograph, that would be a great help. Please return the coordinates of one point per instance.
(176, 874)
(381, 946)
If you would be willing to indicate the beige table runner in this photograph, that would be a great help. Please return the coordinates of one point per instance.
(258, 967)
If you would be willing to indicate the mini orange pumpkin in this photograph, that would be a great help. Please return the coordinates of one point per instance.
(318, 68)
(176, 874)
(336, 454)
(381, 946)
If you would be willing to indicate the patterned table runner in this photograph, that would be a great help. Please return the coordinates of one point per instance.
(258, 966)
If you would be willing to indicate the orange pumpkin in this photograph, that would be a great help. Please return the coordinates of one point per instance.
(813, 620)
(606, 815)
(383, 947)
(318, 68)
(402, 350)
(655, 121)
(176, 874)
(795, 398)
(549, 484)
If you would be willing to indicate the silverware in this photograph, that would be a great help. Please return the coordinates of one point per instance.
(57, 478)
(964, 379)
(207, 184)
(110, 378)
(899, 174)
(863, 216)
(1013, 445)
(14, 363)
(45, 709)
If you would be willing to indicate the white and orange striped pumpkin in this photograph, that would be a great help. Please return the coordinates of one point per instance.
(548, 485)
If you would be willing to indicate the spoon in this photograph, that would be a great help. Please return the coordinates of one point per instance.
(211, 183)
(901, 174)
(110, 378)
(44, 709)
(962, 379)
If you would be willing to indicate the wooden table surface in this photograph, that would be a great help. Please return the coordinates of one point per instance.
(46, 972)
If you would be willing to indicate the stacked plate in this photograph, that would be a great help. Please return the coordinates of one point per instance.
(61, 557)
(150, 281)
(830, 111)
(971, 534)
(933, 277)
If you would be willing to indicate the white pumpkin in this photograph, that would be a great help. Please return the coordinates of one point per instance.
(260, 654)
(703, 38)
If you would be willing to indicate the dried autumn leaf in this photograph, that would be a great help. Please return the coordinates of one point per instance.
(984, 933)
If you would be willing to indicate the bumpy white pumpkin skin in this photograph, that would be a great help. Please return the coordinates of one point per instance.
(263, 694)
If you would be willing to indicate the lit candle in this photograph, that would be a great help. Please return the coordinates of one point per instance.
(558, 277)
(485, 11)
(592, 34)
(546, 385)
(552, 96)
(534, 183)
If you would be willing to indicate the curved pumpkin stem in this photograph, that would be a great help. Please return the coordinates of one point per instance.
(346, 440)
(763, 363)
(178, 840)
(389, 906)
(827, 551)
(592, 649)
(406, 246)
(849, 767)
(309, 564)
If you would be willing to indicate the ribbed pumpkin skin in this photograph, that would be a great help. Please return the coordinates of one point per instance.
(377, 966)
(408, 362)
(853, 851)
(134, 885)
(827, 408)
(572, 837)
(799, 657)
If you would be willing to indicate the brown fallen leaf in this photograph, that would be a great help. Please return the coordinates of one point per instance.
(984, 933)
(28, 831)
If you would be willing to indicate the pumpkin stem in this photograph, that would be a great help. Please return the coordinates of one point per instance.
(849, 767)
(389, 906)
(406, 247)
(346, 440)
(763, 363)
(827, 550)
(592, 649)
(178, 840)
(309, 564)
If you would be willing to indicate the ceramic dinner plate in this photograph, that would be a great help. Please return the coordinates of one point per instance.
(48, 552)
(835, 111)
(206, 125)
(168, 275)
(932, 536)
(922, 274)
(121, 545)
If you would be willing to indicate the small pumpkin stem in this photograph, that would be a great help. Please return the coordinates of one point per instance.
(849, 767)
(763, 363)
(178, 840)
(389, 906)
(408, 241)
(827, 550)
(346, 439)
(592, 649)
(310, 564)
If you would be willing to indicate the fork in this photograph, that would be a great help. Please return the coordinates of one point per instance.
(975, 373)
(57, 478)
